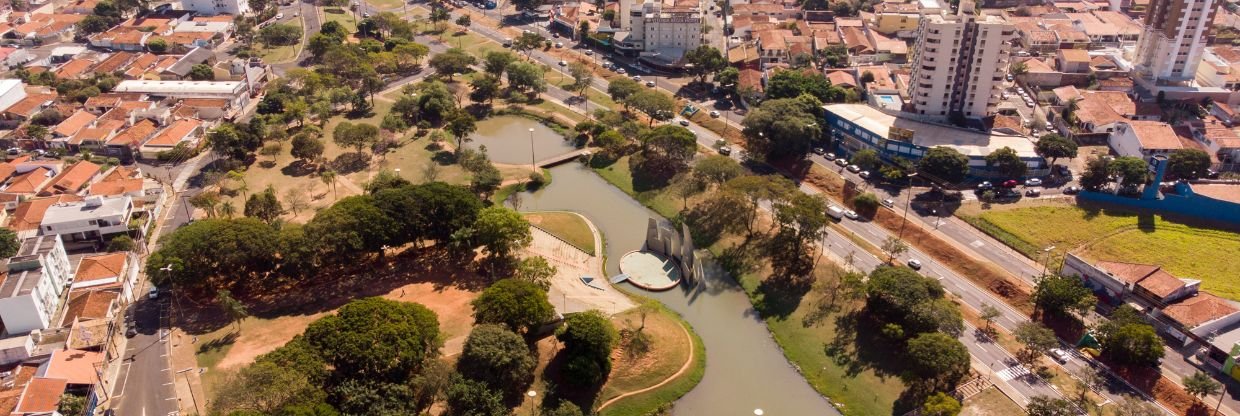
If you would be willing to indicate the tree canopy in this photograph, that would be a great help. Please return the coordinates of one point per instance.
(240, 248)
(588, 338)
(497, 357)
(944, 164)
(938, 358)
(1054, 146)
(1007, 163)
(783, 128)
(1188, 163)
(1060, 295)
(519, 305)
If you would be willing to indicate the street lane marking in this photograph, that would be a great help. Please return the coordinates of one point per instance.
(124, 381)
(977, 244)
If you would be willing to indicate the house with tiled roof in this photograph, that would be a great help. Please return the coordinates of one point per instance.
(115, 62)
(36, 100)
(76, 68)
(180, 70)
(1144, 139)
(186, 131)
(126, 144)
(139, 66)
(41, 397)
(73, 179)
(88, 305)
(70, 126)
(29, 213)
(30, 183)
(113, 271)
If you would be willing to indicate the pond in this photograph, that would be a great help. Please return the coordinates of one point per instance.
(508, 138)
(745, 369)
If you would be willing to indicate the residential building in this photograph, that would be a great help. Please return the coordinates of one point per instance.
(91, 218)
(1073, 60)
(959, 64)
(214, 7)
(235, 91)
(1173, 37)
(35, 280)
(114, 271)
(181, 131)
(1144, 139)
(855, 127)
(11, 91)
(41, 397)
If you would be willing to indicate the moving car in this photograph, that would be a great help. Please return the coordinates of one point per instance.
(714, 114)
(1010, 183)
(153, 293)
(889, 203)
(507, 42)
(589, 52)
(914, 264)
(854, 168)
(1072, 190)
(563, 63)
(1060, 355)
(684, 122)
(725, 150)
(836, 212)
(1033, 192)
(1033, 182)
(131, 332)
(852, 215)
(650, 84)
(637, 77)
(279, 16)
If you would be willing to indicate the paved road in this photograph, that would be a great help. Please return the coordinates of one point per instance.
(145, 384)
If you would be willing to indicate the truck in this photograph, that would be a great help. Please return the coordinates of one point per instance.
(834, 211)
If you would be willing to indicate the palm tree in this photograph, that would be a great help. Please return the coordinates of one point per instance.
(240, 177)
(227, 209)
(329, 178)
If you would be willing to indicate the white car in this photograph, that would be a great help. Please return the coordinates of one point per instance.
(829, 156)
(559, 44)
(714, 114)
(637, 78)
(1033, 182)
(889, 203)
(1060, 355)
(153, 293)
(563, 63)
(854, 168)
(865, 174)
(852, 215)
(620, 71)
(650, 84)
(684, 122)
(914, 264)
(841, 162)
(279, 16)
(589, 52)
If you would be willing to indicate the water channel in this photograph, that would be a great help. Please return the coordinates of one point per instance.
(745, 369)
(508, 138)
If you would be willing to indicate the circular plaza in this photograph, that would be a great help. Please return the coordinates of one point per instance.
(649, 270)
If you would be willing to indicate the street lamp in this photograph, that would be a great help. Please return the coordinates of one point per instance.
(533, 163)
(758, 412)
(908, 200)
(1047, 260)
(531, 393)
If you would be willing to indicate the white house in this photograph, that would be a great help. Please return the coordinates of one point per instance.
(32, 288)
(91, 218)
(1143, 139)
(11, 91)
(235, 91)
(113, 271)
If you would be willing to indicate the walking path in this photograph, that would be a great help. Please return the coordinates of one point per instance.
(683, 368)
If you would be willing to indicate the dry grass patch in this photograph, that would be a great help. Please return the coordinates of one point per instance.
(566, 226)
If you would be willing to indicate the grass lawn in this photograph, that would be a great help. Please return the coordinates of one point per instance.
(991, 402)
(278, 54)
(667, 356)
(342, 16)
(385, 4)
(1184, 250)
(567, 226)
(621, 176)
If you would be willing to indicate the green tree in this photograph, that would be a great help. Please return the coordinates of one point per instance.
(201, 72)
(357, 136)
(484, 88)
(565, 408)
(461, 124)
(654, 104)
(157, 45)
(1097, 173)
(1053, 146)
(783, 128)
(894, 247)
(582, 77)
(9, 243)
(535, 270)
(1050, 406)
(727, 78)
(716, 170)
(121, 243)
(499, 358)
(443, 209)
(1200, 385)
(588, 339)
(240, 249)
(496, 62)
(1007, 163)
(706, 60)
(452, 62)
(526, 77)
(792, 84)
(466, 397)
(944, 164)
(236, 310)
(666, 150)
(377, 338)
(264, 205)
(527, 42)
(866, 159)
(278, 34)
(988, 315)
(351, 226)
(620, 89)
(1037, 341)
(938, 358)
(464, 21)
(1130, 170)
(940, 404)
(1135, 344)
(306, 148)
(1188, 163)
(755, 189)
(519, 305)
(866, 204)
(1062, 295)
(71, 405)
(500, 231)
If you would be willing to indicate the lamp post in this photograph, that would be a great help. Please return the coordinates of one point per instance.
(908, 200)
(1047, 260)
(533, 163)
(532, 393)
(758, 412)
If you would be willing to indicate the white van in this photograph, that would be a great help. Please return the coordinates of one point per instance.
(836, 212)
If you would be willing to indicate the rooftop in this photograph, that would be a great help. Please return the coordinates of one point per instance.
(101, 267)
(41, 396)
(88, 304)
(1198, 310)
(969, 142)
(174, 87)
(1155, 135)
(92, 208)
(74, 366)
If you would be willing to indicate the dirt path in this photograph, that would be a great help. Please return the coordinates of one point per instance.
(682, 370)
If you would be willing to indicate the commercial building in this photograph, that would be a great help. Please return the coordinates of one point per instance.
(855, 127)
(32, 287)
(659, 33)
(1173, 38)
(959, 64)
(234, 91)
(214, 7)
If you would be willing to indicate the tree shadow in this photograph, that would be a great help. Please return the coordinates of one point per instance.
(298, 168)
(444, 158)
(350, 162)
(218, 343)
(583, 395)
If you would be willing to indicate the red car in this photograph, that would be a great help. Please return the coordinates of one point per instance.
(1011, 183)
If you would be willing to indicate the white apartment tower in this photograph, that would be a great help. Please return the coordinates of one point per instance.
(958, 64)
(1175, 34)
(652, 28)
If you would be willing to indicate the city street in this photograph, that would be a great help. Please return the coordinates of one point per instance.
(145, 386)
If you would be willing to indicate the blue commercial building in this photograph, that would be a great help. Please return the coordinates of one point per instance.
(854, 127)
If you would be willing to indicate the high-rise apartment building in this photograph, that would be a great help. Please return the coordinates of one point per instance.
(959, 64)
(653, 28)
(1175, 35)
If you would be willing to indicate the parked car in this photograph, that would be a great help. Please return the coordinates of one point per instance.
(1033, 182)
(650, 84)
(131, 332)
(714, 114)
(1010, 183)
(559, 44)
(829, 156)
(852, 215)
(841, 162)
(508, 42)
(725, 150)
(889, 203)
(279, 16)
(854, 168)
(684, 122)
(1072, 190)
(153, 293)
(589, 52)
(914, 264)
(1033, 192)
(620, 71)
(637, 78)
(819, 151)
(985, 186)
(865, 174)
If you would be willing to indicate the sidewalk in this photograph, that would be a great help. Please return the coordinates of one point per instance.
(187, 376)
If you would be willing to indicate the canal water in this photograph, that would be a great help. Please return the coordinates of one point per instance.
(745, 369)
(507, 139)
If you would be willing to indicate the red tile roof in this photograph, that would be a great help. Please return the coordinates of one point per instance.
(42, 395)
(1197, 310)
(75, 177)
(107, 266)
(29, 182)
(175, 133)
(88, 304)
(74, 123)
(134, 135)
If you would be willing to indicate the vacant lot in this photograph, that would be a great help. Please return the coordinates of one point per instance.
(1186, 251)
(278, 54)
(991, 402)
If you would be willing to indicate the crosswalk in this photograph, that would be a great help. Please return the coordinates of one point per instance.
(1012, 372)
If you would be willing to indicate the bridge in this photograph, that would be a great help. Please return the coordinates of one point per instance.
(559, 159)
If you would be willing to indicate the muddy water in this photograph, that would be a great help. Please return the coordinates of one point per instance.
(507, 139)
(745, 369)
